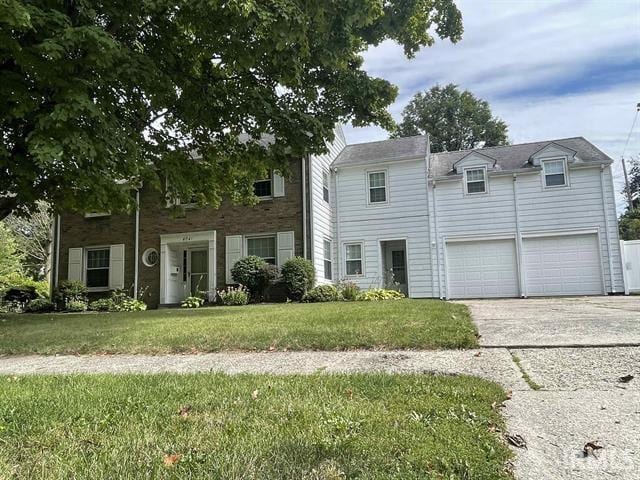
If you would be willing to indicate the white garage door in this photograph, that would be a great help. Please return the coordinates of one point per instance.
(567, 265)
(482, 269)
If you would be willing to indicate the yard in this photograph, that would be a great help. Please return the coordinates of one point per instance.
(400, 324)
(215, 426)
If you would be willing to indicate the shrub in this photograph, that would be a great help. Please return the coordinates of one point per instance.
(16, 288)
(233, 296)
(349, 291)
(254, 273)
(377, 294)
(322, 293)
(192, 302)
(69, 291)
(122, 302)
(101, 305)
(299, 276)
(76, 306)
(40, 305)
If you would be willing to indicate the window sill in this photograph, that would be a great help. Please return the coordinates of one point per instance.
(98, 289)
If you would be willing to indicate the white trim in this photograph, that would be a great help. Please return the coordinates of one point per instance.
(144, 257)
(136, 247)
(435, 226)
(522, 275)
(326, 173)
(96, 214)
(404, 239)
(544, 173)
(625, 275)
(465, 180)
(55, 280)
(270, 180)
(480, 237)
(330, 259)
(304, 205)
(187, 237)
(85, 255)
(368, 173)
(362, 256)
(255, 236)
(446, 268)
(559, 233)
(606, 232)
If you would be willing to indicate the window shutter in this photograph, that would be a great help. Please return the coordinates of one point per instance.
(285, 247)
(75, 264)
(116, 267)
(232, 252)
(278, 185)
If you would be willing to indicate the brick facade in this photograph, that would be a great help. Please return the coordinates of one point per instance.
(269, 216)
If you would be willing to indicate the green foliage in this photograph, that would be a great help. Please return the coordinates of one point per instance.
(453, 119)
(322, 293)
(192, 302)
(299, 276)
(19, 289)
(94, 92)
(232, 296)
(629, 225)
(349, 291)
(75, 306)
(254, 273)
(378, 294)
(9, 256)
(40, 305)
(123, 302)
(69, 291)
(101, 305)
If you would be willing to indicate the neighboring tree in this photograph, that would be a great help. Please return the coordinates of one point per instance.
(93, 93)
(453, 119)
(32, 233)
(629, 225)
(9, 256)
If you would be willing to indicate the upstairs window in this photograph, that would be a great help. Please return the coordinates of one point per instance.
(475, 180)
(554, 173)
(328, 275)
(377, 187)
(264, 247)
(263, 188)
(353, 259)
(97, 273)
(325, 186)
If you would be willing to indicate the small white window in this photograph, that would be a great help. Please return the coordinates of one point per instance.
(353, 259)
(264, 247)
(150, 257)
(554, 173)
(97, 271)
(325, 186)
(377, 187)
(328, 274)
(475, 180)
(263, 188)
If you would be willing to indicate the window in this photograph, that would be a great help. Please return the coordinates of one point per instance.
(96, 214)
(475, 180)
(377, 187)
(97, 273)
(327, 260)
(150, 257)
(264, 247)
(263, 188)
(353, 258)
(554, 173)
(325, 186)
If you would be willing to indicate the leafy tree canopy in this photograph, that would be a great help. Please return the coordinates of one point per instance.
(453, 119)
(9, 256)
(629, 225)
(96, 92)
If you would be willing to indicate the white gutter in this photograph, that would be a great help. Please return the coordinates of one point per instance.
(338, 245)
(57, 240)
(435, 228)
(136, 246)
(521, 272)
(304, 205)
(606, 228)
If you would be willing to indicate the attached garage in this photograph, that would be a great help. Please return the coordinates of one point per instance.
(562, 265)
(482, 268)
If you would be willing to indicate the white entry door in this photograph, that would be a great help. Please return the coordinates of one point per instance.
(562, 265)
(483, 268)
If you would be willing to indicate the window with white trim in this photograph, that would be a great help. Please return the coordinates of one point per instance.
(325, 186)
(264, 247)
(377, 186)
(555, 174)
(353, 259)
(263, 188)
(475, 180)
(328, 274)
(97, 268)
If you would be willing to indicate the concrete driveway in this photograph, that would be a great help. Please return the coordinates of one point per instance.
(575, 321)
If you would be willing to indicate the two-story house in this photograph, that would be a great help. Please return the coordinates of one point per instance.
(520, 220)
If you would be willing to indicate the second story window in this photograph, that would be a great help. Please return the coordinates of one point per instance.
(263, 188)
(475, 180)
(325, 186)
(377, 187)
(554, 173)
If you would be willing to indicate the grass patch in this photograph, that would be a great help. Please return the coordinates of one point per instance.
(525, 376)
(371, 426)
(400, 324)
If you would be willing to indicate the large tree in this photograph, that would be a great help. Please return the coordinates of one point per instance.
(454, 120)
(9, 256)
(96, 92)
(629, 223)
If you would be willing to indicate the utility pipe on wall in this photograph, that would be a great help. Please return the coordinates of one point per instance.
(136, 246)
(606, 228)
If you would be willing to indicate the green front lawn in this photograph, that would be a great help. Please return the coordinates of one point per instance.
(371, 426)
(399, 324)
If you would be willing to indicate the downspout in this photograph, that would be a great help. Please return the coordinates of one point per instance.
(435, 228)
(427, 159)
(304, 206)
(337, 216)
(137, 246)
(57, 240)
(607, 235)
(521, 273)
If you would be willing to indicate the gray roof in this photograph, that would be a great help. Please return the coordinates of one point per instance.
(515, 157)
(383, 151)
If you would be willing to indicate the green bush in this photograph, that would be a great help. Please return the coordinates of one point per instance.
(299, 276)
(101, 305)
(349, 291)
(322, 293)
(39, 305)
(377, 294)
(255, 274)
(16, 287)
(192, 302)
(232, 296)
(75, 306)
(69, 291)
(123, 302)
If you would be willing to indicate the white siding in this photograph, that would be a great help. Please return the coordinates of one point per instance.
(404, 216)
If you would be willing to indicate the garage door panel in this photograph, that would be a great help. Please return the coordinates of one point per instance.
(562, 265)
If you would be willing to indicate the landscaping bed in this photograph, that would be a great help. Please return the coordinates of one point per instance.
(201, 426)
(395, 324)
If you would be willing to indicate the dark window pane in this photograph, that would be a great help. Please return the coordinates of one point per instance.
(327, 269)
(555, 180)
(325, 194)
(262, 188)
(378, 194)
(98, 278)
(475, 187)
(98, 258)
(354, 267)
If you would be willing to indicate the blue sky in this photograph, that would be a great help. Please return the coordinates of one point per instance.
(549, 68)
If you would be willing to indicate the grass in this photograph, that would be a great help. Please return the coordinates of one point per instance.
(400, 324)
(525, 376)
(371, 426)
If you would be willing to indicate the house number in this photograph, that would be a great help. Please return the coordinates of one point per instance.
(186, 238)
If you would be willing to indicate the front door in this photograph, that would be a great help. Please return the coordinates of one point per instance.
(197, 274)
(399, 269)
